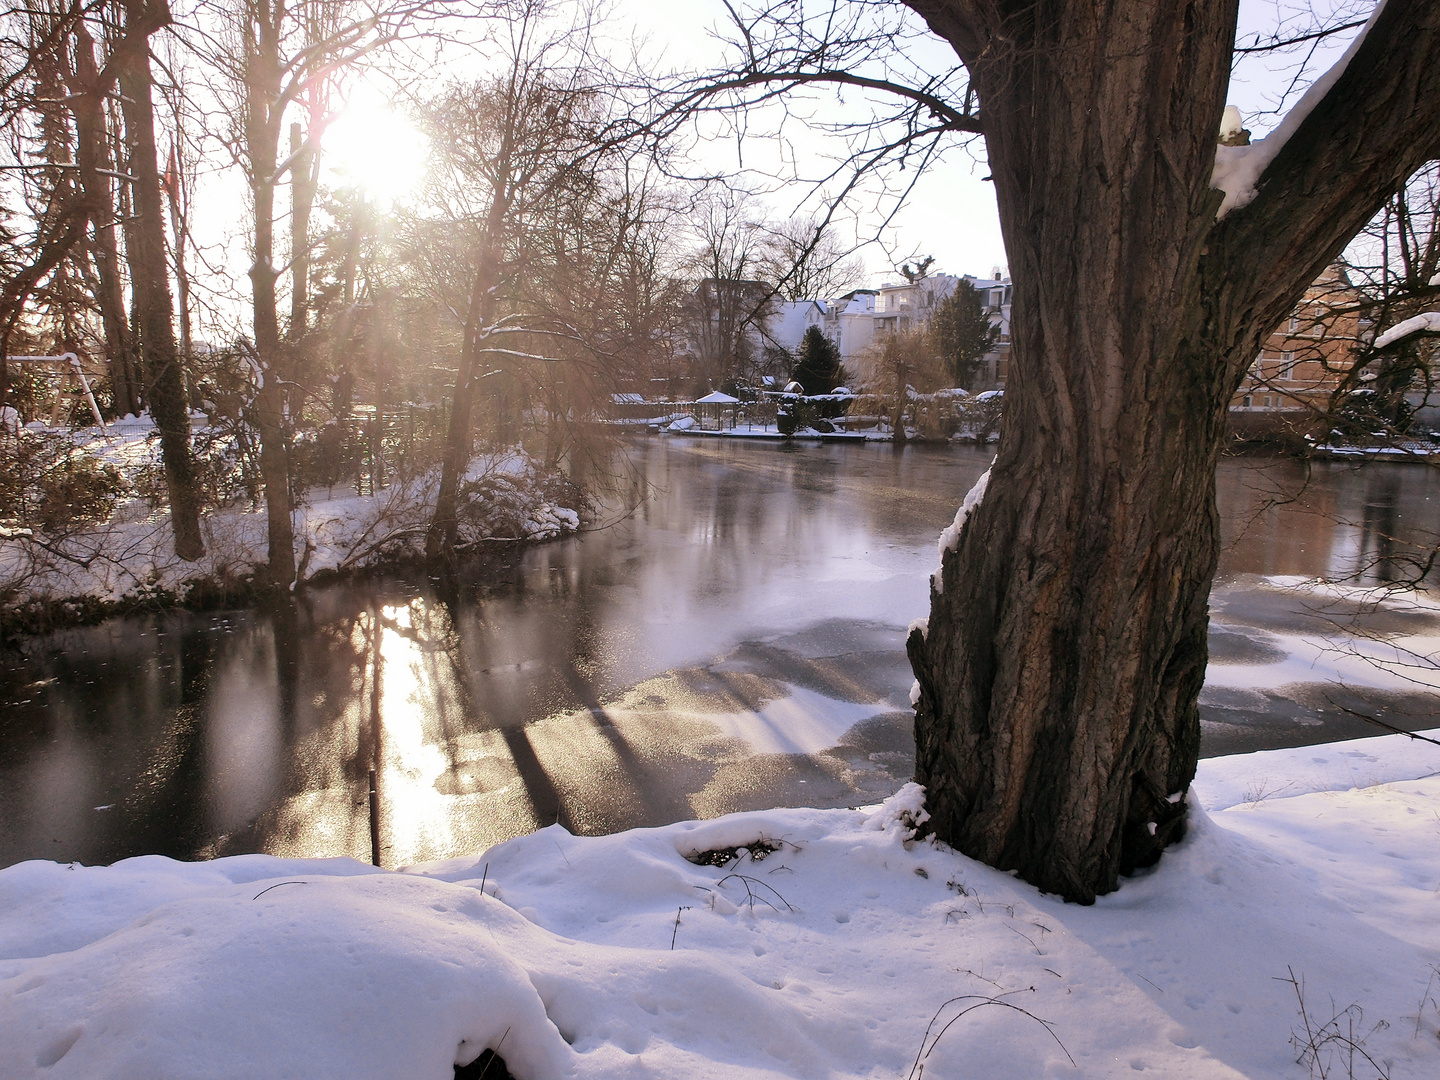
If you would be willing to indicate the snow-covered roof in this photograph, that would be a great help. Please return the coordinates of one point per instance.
(628, 399)
(717, 398)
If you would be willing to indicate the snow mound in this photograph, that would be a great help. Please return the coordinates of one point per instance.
(317, 976)
(903, 812)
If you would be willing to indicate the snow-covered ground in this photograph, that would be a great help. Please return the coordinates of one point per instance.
(133, 554)
(839, 948)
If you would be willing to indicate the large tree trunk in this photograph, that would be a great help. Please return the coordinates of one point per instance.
(1057, 727)
(93, 160)
(262, 143)
(150, 284)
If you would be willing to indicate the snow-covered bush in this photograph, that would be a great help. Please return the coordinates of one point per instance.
(47, 482)
(511, 499)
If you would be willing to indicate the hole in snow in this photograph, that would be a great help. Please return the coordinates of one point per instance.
(489, 1065)
(756, 849)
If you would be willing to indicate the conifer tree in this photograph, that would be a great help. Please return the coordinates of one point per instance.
(817, 365)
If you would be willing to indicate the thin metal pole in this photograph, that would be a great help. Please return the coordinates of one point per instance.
(374, 822)
(375, 732)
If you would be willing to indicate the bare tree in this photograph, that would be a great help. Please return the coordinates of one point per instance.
(278, 56)
(514, 146)
(150, 281)
(89, 85)
(805, 261)
(1393, 268)
(63, 53)
(731, 301)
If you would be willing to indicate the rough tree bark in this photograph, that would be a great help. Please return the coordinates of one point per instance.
(150, 286)
(1057, 727)
(88, 88)
(264, 107)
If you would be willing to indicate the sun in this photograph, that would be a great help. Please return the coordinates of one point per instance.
(372, 147)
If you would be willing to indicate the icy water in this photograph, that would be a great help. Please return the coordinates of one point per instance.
(735, 643)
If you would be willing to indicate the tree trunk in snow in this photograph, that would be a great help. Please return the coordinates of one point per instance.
(154, 309)
(93, 161)
(262, 144)
(1057, 727)
(445, 524)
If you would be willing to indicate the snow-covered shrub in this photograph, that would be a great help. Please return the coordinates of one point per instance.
(512, 499)
(904, 812)
(48, 483)
(980, 416)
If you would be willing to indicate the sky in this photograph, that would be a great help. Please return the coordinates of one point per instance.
(949, 213)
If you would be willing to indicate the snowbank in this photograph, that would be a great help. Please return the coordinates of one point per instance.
(788, 943)
(132, 556)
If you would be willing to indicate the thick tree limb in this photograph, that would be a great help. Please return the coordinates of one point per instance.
(1378, 124)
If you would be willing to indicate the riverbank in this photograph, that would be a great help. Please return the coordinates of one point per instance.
(1298, 920)
(127, 563)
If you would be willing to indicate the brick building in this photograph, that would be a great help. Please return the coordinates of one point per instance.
(1304, 360)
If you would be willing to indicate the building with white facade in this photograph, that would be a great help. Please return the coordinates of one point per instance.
(861, 318)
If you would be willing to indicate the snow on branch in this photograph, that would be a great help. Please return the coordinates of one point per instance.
(1429, 320)
(1238, 169)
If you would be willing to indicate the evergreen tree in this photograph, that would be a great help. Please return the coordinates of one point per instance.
(818, 368)
(961, 333)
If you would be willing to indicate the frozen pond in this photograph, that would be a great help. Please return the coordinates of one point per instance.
(737, 642)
